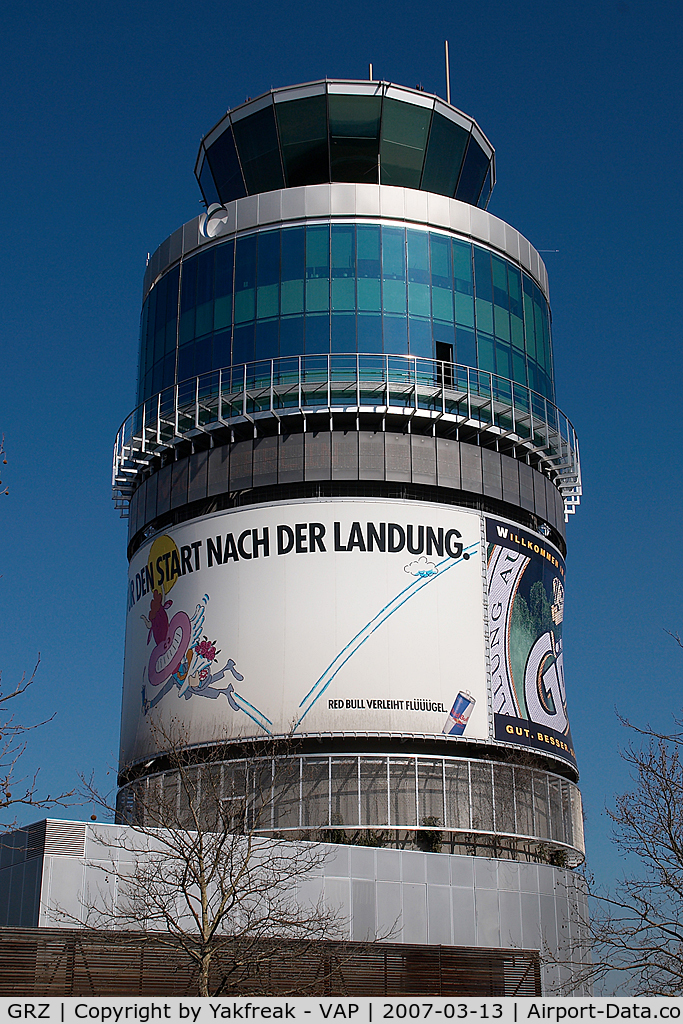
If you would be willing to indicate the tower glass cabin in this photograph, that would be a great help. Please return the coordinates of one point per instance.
(347, 483)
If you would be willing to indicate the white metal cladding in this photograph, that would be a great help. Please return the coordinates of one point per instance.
(378, 791)
(344, 201)
(354, 383)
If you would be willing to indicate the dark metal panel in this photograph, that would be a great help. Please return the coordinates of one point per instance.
(219, 461)
(164, 490)
(510, 468)
(526, 487)
(448, 463)
(371, 455)
(198, 476)
(151, 497)
(179, 483)
(397, 448)
(241, 454)
(423, 451)
(470, 465)
(291, 458)
(265, 461)
(345, 455)
(539, 495)
(492, 473)
(318, 455)
(134, 511)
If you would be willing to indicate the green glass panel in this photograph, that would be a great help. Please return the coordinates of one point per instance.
(462, 267)
(317, 251)
(292, 297)
(503, 360)
(442, 304)
(515, 291)
(441, 262)
(186, 329)
(483, 284)
(394, 296)
(368, 248)
(485, 354)
(445, 150)
(343, 294)
(222, 313)
(317, 294)
(267, 297)
(464, 310)
(418, 299)
(517, 332)
(404, 138)
(484, 315)
(538, 324)
(502, 323)
(518, 368)
(499, 274)
(369, 294)
(342, 247)
(204, 322)
(303, 138)
(393, 253)
(244, 305)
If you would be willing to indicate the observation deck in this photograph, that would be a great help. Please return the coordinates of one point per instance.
(389, 391)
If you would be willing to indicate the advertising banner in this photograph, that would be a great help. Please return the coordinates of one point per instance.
(526, 607)
(324, 616)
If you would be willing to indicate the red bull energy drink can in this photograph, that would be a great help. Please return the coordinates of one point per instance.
(460, 714)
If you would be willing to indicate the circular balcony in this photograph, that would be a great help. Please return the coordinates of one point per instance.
(378, 799)
(480, 406)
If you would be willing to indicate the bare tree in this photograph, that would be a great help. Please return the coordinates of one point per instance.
(17, 789)
(199, 869)
(635, 935)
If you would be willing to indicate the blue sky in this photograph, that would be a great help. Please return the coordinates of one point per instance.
(103, 108)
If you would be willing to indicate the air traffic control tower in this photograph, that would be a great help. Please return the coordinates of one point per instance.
(347, 483)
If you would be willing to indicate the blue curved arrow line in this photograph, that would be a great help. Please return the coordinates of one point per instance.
(381, 617)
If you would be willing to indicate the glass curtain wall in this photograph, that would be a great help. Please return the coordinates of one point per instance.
(345, 288)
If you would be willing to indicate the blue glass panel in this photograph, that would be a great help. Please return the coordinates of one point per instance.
(185, 361)
(421, 338)
(485, 353)
(168, 375)
(369, 332)
(243, 344)
(445, 150)
(205, 262)
(202, 355)
(317, 269)
(291, 336)
(444, 334)
(344, 332)
(317, 334)
(503, 368)
(267, 339)
(245, 279)
(393, 270)
(293, 270)
(268, 292)
(224, 269)
(221, 349)
(157, 377)
(466, 351)
(225, 168)
(188, 290)
(473, 173)
(395, 334)
(172, 279)
(257, 144)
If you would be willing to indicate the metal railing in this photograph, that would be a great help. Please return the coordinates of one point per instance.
(355, 383)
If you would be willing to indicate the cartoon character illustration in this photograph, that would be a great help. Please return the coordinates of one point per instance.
(185, 659)
(172, 639)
